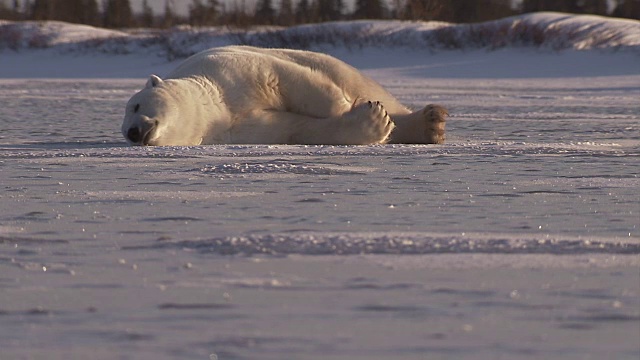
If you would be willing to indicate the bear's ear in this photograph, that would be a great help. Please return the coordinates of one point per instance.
(153, 81)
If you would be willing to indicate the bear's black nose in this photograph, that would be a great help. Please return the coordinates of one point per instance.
(134, 135)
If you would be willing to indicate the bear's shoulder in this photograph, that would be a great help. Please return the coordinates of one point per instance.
(246, 59)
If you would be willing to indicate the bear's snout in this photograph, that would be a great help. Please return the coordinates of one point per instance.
(134, 135)
(140, 134)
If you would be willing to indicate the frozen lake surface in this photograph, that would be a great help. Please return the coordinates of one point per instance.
(518, 239)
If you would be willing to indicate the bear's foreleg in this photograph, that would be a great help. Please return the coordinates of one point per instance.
(366, 123)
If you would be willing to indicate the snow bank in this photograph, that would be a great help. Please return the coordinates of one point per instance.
(542, 30)
(394, 243)
(555, 31)
(45, 34)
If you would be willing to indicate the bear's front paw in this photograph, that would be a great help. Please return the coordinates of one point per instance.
(369, 123)
(435, 117)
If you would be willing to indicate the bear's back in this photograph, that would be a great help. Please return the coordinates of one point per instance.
(232, 65)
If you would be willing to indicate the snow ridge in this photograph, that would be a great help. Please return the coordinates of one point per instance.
(328, 243)
(552, 31)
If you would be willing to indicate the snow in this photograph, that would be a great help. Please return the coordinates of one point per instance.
(550, 31)
(518, 238)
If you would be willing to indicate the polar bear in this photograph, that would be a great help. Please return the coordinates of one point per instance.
(248, 95)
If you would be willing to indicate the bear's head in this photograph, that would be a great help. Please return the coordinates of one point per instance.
(170, 112)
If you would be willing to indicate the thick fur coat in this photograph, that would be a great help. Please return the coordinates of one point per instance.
(247, 95)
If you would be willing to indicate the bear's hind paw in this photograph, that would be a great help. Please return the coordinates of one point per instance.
(435, 117)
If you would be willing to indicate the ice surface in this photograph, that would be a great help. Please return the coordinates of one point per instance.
(517, 239)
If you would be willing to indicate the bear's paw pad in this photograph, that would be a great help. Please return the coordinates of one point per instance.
(435, 117)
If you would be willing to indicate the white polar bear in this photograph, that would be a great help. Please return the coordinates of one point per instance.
(247, 95)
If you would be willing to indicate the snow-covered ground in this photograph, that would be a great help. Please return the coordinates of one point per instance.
(518, 239)
(54, 49)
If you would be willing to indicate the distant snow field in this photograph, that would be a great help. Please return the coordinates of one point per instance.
(517, 239)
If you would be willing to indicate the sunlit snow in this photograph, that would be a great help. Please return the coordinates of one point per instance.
(519, 238)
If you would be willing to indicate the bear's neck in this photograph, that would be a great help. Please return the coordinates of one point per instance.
(209, 109)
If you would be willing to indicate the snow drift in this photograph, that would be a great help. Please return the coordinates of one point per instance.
(554, 31)
(393, 243)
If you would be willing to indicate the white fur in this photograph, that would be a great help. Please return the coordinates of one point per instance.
(241, 94)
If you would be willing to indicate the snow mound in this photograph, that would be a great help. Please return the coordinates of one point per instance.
(580, 32)
(555, 31)
(45, 34)
(328, 243)
(276, 167)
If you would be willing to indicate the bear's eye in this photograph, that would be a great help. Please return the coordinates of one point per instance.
(136, 108)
